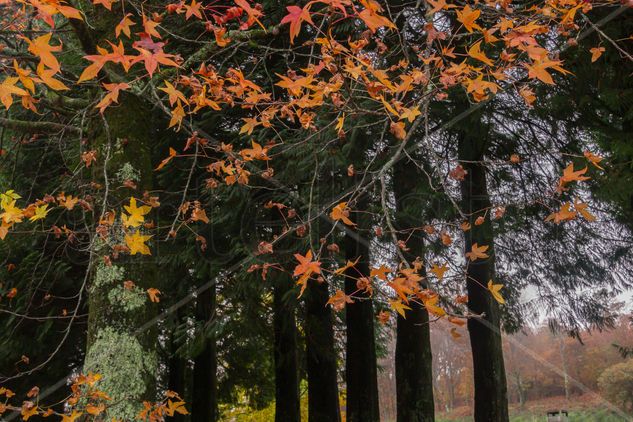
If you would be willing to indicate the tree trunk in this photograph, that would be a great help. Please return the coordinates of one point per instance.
(287, 406)
(204, 401)
(177, 369)
(491, 402)
(414, 370)
(323, 405)
(360, 363)
(119, 347)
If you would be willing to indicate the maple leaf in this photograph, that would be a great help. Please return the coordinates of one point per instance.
(253, 14)
(341, 212)
(538, 69)
(410, 114)
(305, 269)
(296, 15)
(593, 159)
(172, 154)
(255, 153)
(399, 307)
(28, 409)
(193, 9)
(439, 271)
(95, 410)
(467, 17)
(494, 290)
(105, 3)
(596, 52)
(397, 130)
(381, 272)
(339, 300)
(477, 252)
(112, 96)
(40, 213)
(153, 294)
(220, 37)
(476, 53)
(571, 175)
(72, 417)
(431, 305)
(581, 207)
(564, 214)
(136, 243)
(8, 90)
(371, 18)
(174, 94)
(348, 265)
(40, 47)
(177, 114)
(11, 214)
(124, 26)
(176, 407)
(250, 124)
(136, 217)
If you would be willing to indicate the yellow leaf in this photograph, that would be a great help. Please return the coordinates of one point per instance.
(136, 243)
(136, 217)
(494, 290)
(40, 212)
(399, 307)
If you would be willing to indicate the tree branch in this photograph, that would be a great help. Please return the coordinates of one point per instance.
(36, 127)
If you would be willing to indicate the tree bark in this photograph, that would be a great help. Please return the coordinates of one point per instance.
(120, 347)
(414, 371)
(360, 363)
(287, 406)
(491, 402)
(204, 406)
(323, 404)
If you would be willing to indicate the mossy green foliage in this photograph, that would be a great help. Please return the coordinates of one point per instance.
(125, 366)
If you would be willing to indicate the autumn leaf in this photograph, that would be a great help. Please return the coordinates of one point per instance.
(253, 14)
(136, 243)
(467, 17)
(341, 212)
(372, 19)
(136, 217)
(571, 175)
(593, 159)
(296, 15)
(305, 269)
(153, 294)
(124, 26)
(399, 307)
(581, 207)
(339, 300)
(477, 252)
(596, 52)
(431, 305)
(8, 89)
(380, 272)
(564, 214)
(72, 417)
(476, 53)
(494, 290)
(41, 48)
(439, 271)
(173, 94)
(40, 213)
(397, 130)
(172, 154)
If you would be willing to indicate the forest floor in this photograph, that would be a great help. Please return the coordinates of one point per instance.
(586, 408)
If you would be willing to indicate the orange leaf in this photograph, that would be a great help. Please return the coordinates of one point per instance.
(295, 16)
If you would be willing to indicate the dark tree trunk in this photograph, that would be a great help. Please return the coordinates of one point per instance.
(177, 370)
(204, 401)
(414, 371)
(491, 401)
(360, 362)
(323, 405)
(287, 407)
